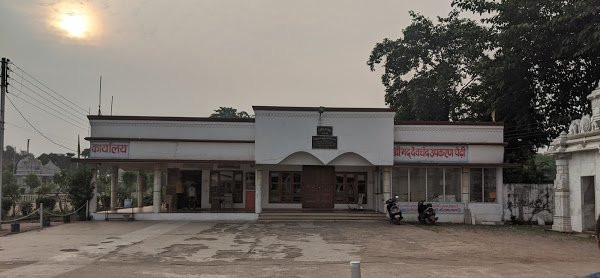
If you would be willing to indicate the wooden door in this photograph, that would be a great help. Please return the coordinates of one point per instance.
(317, 186)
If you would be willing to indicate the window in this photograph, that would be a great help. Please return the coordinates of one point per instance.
(476, 182)
(348, 187)
(285, 187)
(483, 185)
(489, 185)
(226, 182)
(400, 183)
(430, 184)
(417, 184)
(435, 185)
(453, 184)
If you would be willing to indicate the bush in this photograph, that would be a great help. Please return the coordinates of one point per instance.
(49, 202)
(104, 202)
(148, 200)
(26, 208)
(7, 204)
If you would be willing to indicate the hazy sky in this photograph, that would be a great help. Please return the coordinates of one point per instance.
(186, 58)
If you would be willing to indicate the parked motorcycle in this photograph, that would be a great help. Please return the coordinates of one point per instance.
(394, 213)
(426, 213)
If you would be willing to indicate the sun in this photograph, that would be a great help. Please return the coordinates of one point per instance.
(74, 19)
(76, 25)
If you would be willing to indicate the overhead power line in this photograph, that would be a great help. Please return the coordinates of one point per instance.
(37, 130)
(66, 120)
(56, 93)
(70, 117)
(76, 113)
(60, 139)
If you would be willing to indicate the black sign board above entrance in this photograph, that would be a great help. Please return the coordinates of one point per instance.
(324, 130)
(324, 142)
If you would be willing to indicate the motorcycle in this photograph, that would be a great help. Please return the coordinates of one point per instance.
(394, 213)
(426, 213)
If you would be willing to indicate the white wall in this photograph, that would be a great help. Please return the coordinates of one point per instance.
(449, 133)
(198, 130)
(582, 164)
(191, 150)
(282, 133)
(459, 134)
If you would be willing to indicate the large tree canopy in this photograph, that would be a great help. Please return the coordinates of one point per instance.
(530, 63)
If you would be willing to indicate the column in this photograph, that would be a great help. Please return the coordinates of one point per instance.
(562, 216)
(205, 194)
(387, 184)
(156, 192)
(258, 190)
(114, 178)
(141, 187)
(93, 204)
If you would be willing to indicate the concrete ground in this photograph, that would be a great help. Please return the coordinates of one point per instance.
(293, 249)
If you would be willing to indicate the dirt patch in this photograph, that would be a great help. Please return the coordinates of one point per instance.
(181, 251)
(200, 238)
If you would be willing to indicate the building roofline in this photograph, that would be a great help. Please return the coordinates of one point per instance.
(170, 119)
(325, 109)
(472, 123)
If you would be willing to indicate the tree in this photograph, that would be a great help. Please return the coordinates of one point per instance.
(427, 71)
(32, 181)
(63, 161)
(80, 189)
(546, 58)
(529, 63)
(61, 182)
(229, 112)
(10, 189)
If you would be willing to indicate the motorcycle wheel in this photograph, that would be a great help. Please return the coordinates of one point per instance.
(430, 220)
(396, 221)
(422, 221)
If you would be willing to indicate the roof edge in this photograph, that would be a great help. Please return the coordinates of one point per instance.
(170, 119)
(325, 109)
(471, 123)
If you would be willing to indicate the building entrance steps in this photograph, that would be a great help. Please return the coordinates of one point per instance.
(320, 215)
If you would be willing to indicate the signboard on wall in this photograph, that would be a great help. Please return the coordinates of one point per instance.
(109, 150)
(440, 208)
(324, 138)
(431, 153)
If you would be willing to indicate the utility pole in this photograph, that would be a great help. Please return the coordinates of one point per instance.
(3, 85)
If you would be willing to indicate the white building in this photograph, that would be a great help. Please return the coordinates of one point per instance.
(576, 190)
(31, 165)
(306, 158)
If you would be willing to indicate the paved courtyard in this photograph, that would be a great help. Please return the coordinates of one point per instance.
(293, 249)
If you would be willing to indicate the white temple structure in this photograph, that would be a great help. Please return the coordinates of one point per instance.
(577, 154)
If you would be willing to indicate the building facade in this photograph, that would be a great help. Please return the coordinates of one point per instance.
(305, 158)
(31, 165)
(577, 154)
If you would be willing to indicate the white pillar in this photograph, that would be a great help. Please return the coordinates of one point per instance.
(114, 178)
(93, 204)
(562, 215)
(141, 187)
(258, 191)
(156, 192)
(205, 194)
(387, 184)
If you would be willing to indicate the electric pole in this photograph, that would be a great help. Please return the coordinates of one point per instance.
(3, 85)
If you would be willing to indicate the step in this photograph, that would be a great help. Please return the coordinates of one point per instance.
(312, 216)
